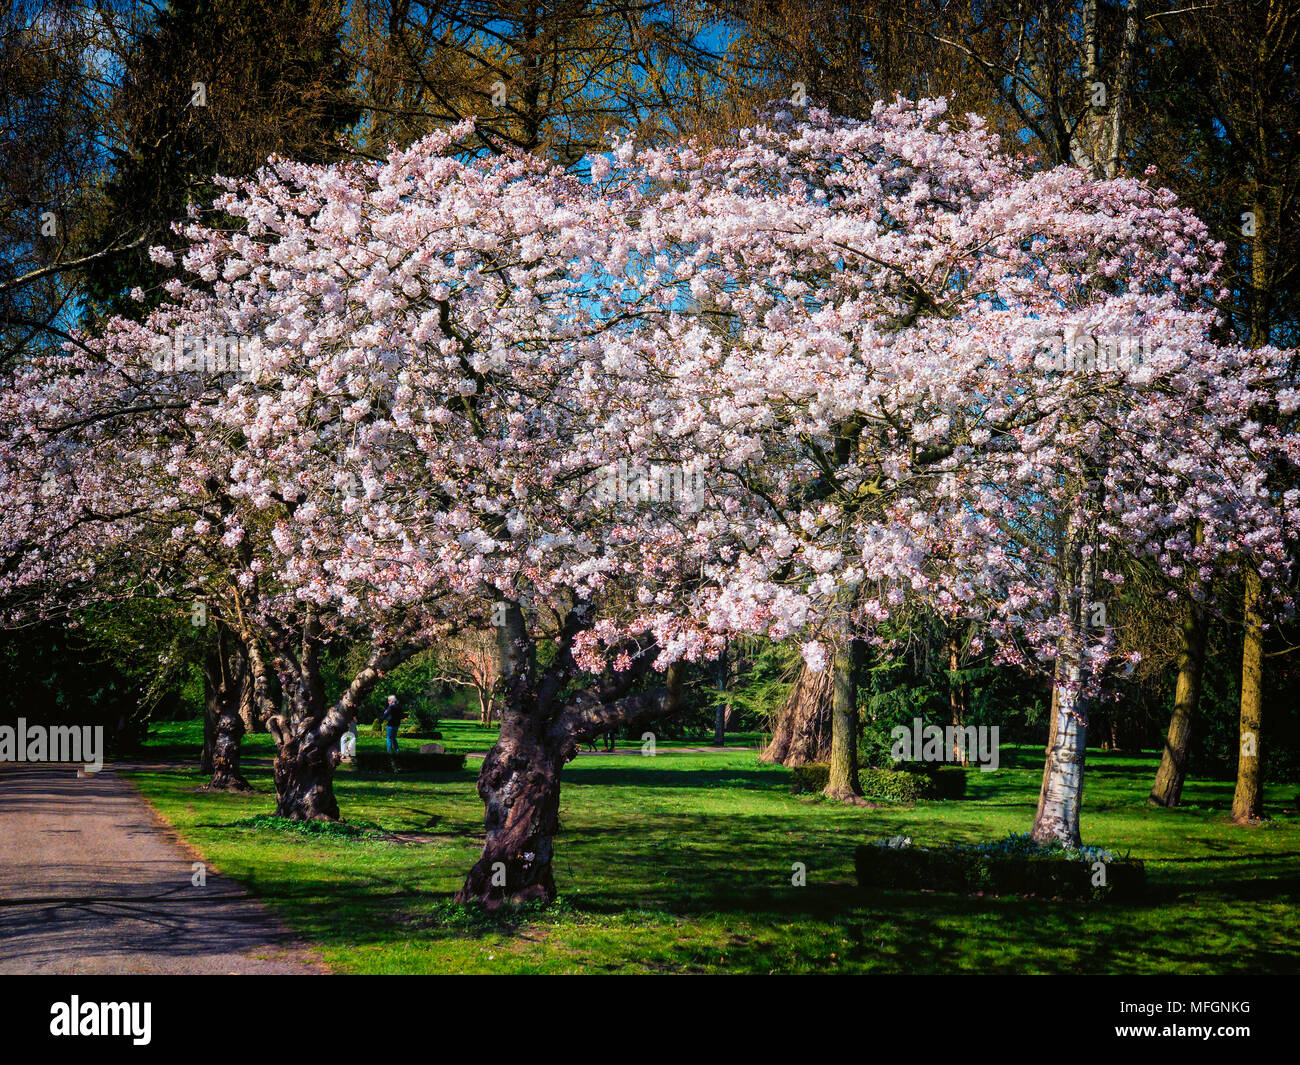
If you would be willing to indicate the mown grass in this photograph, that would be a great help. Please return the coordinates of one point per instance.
(683, 863)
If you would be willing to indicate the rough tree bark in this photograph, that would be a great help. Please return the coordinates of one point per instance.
(248, 711)
(1248, 796)
(803, 727)
(307, 738)
(1192, 628)
(519, 781)
(226, 686)
(842, 783)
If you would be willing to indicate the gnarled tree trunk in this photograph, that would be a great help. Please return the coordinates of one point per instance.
(304, 778)
(225, 683)
(519, 781)
(803, 728)
(307, 740)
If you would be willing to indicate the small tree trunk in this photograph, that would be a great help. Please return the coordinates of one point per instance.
(720, 712)
(1248, 796)
(957, 704)
(1061, 797)
(225, 681)
(226, 775)
(803, 728)
(843, 782)
(1168, 787)
(209, 726)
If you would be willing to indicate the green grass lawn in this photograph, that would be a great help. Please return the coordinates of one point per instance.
(682, 863)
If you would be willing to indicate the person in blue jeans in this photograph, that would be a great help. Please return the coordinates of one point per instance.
(392, 717)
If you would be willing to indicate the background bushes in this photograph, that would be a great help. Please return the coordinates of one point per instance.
(918, 780)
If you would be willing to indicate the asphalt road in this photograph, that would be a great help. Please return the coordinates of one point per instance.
(91, 881)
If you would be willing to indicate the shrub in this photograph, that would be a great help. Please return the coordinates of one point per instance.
(895, 785)
(408, 762)
(1012, 866)
(425, 715)
(908, 783)
(811, 777)
(949, 782)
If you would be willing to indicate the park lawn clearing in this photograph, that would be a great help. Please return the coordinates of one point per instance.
(683, 863)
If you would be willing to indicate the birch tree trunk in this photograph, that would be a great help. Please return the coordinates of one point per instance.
(1061, 797)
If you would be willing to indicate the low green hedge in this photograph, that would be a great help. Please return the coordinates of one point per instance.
(810, 777)
(894, 785)
(1015, 866)
(949, 782)
(408, 762)
(897, 785)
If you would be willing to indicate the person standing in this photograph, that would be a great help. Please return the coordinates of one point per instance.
(392, 718)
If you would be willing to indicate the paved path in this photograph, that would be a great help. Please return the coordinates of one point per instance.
(92, 881)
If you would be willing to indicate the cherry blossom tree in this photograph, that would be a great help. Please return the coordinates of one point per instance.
(471, 660)
(950, 380)
(418, 440)
(791, 387)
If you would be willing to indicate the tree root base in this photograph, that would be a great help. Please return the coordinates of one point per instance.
(848, 797)
(237, 785)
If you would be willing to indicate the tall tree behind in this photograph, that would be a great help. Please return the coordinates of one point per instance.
(51, 59)
(844, 55)
(1226, 135)
(1064, 70)
(211, 87)
(553, 77)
